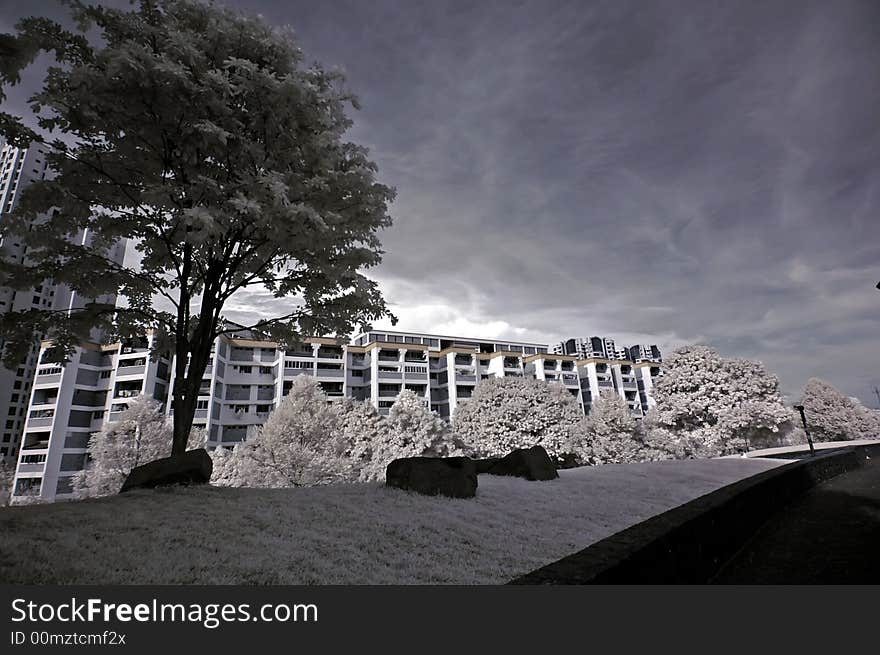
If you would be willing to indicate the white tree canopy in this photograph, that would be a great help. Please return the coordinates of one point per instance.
(708, 405)
(509, 413)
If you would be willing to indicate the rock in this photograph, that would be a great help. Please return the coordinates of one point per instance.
(530, 463)
(192, 467)
(483, 465)
(455, 477)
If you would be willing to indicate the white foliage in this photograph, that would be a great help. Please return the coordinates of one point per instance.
(299, 445)
(411, 430)
(509, 413)
(611, 433)
(831, 416)
(708, 405)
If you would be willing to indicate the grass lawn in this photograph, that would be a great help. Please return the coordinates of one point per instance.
(344, 534)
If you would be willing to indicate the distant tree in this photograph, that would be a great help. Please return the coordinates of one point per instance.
(141, 434)
(508, 413)
(411, 430)
(199, 134)
(831, 416)
(708, 405)
(611, 434)
(7, 475)
(298, 445)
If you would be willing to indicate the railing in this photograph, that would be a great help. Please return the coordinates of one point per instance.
(466, 378)
(390, 375)
(40, 422)
(32, 468)
(330, 373)
(137, 369)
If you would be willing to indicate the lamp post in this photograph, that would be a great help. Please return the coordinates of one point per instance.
(800, 408)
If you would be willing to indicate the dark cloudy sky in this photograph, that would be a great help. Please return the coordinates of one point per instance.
(667, 172)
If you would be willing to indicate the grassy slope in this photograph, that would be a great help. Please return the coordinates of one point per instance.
(344, 534)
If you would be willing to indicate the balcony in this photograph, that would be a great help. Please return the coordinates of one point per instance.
(235, 393)
(52, 378)
(466, 378)
(329, 353)
(390, 375)
(31, 468)
(334, 373)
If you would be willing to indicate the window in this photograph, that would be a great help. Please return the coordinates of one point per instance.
(264, 409)
(244, 369)
(265, 370)
(202, 404)
(240, 409)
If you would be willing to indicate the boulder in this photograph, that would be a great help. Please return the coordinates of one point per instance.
(455, 477)
(192, 467)
(483, 465)
(530, 463)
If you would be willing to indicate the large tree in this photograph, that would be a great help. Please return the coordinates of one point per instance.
(708, 405)
(198, 134)
(831, 416)
(509, 413)
(300, 444)
(411, 430)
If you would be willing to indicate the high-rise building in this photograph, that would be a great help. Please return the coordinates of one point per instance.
(18, 168)
(246, 378)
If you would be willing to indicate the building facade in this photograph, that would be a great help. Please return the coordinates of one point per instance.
(18, 168)
(246, 378)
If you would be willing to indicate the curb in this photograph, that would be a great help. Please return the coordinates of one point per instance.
(688, 544)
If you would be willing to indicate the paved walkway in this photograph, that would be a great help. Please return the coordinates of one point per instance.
(829, 536)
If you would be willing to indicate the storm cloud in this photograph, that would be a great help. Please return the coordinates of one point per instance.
(663, 172)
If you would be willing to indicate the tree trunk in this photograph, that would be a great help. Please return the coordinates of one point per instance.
(188, 383)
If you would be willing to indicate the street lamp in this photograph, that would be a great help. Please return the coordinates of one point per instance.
(800, 408)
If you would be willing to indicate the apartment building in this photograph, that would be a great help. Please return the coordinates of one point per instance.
(18, 168)
(246, 378)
